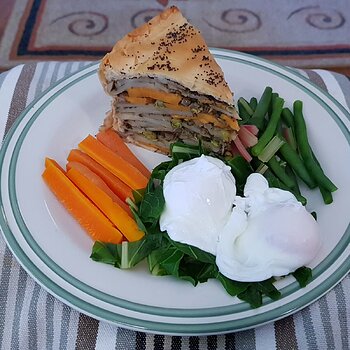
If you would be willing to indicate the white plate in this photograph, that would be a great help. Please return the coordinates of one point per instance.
(55, 251)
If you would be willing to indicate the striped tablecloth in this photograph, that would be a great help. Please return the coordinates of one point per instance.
(30, 318)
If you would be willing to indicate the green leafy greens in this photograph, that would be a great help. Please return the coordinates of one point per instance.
(167, 257)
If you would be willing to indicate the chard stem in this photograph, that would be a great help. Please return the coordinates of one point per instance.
(124, 263)
(271, 148)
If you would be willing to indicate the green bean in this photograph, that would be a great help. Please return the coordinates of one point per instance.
(273, 99)
(262, 108)
(296, 189)
(293, 159)
(288, 117)
(300, 198)
(246, 106)
(289, 135)
(270, 129)
(326, 195)
(314, 157)
(277, 183)
(242, 113)
(275, 166)
(306, 151)
(253, 103)
(279, 127)
(292, 175)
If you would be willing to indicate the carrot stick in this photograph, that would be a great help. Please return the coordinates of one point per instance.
(80, 207)
(113, 162)
(112, 210)
(50, 161)
(122, 190)
(96, 180)
(113, 141)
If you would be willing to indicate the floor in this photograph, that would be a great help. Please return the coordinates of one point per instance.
(302, 33)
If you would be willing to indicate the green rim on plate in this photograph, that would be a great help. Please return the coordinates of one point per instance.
(100, 313)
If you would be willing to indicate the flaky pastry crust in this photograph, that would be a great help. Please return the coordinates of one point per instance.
(169, 47)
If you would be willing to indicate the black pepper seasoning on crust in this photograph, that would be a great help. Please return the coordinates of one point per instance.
(198, 48)
(179, 35)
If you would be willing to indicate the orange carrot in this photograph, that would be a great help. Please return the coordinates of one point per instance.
(113, 162)
(232, 123)
(155, 94)
(139, 100)
(116, 185)
(86, 213)
(85, 171)
(50, 161)
(112, 210)
(113, 141)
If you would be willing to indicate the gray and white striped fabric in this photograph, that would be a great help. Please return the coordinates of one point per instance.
(30, 318)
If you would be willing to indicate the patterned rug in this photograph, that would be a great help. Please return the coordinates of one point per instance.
(300, 33)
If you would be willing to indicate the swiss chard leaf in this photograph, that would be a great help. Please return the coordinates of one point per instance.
(109, 253)
(138, 220)
(195, 271)
(105, 252)
(194, 252)
(138, 195)
(188, 278)
(182, 152)
(267, 288)
(139, 250)
(303, 275)
(153, 263)
(154, 229)
(165, 261)
(162, 169)
(152, 204)
(251, 295)
(171, 262)
(240, 169)
(250, 292)
(232, 287)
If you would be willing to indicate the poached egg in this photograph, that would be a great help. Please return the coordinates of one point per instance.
(269, 233)
(199, 195)
(263, 234)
